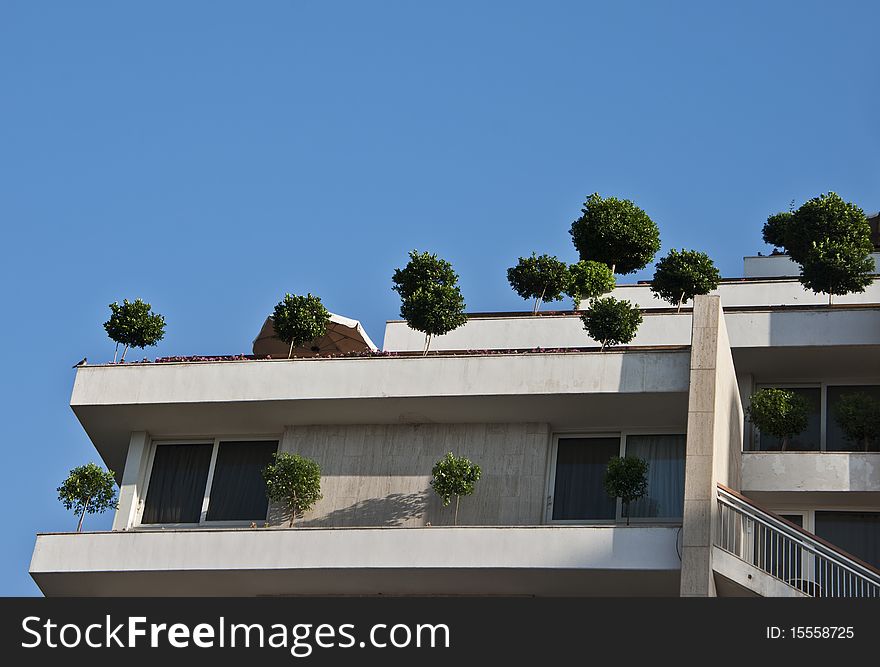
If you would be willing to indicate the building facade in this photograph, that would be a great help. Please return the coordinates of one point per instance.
(541, 409)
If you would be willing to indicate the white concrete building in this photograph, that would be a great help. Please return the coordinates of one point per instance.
(541, 409)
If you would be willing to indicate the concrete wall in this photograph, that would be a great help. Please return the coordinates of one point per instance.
(753, 293)
(714, 442)
(837, 326)
(811, 472)
(777, 265)
(378, 475)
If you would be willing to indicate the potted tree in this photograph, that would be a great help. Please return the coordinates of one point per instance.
(454, 476)
(858, 414)
(430, 298)
(299, 319)
(542, 278)
(626, 477)
(683, 274)
(294, 481)
(831, 240)
(611, 321)
(134, 324)
(88, 489)
(588, 280)
(778, 412)
(615, 232)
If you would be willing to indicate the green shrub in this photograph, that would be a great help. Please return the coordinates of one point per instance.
(778, 412)
(611, 321)
(454, 476)
(294, 481)
(299, 319)
(626, 478)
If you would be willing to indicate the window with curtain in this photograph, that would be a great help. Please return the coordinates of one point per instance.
(177, 483)
(665, 456)
(578, 492)
(835, 440)
(238, 492)
(855, 532)
(810, 439)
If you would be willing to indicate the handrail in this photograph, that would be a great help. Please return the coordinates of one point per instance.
(799, 529)
(788, 553)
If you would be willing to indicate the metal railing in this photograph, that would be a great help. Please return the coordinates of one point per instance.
(791, 555)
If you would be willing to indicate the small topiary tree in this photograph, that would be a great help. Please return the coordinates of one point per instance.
(611, 321)
(858, 414)
(294, 481)
(626, 478)
(542, 278)
(430, 298)
(88, 489)
(615, 232)
(778, 412)
(683, 274)
(299, 319)
(454, 476)
(133, 324)
(589, 280)
(831, 240)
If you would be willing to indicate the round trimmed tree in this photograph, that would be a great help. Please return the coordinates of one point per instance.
(454, 476)
(858, 415)
(682, 274)
(626, 477)
(430, 298)
(294, 481)
(611, 321)
(779, 412)
(539, 277)
(299, 319)
(831, 239)
(88, 489)
(615, 232)
(134, 324)
(589, 280)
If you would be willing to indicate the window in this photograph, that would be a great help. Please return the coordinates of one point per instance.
(811, 438)
(857, 533)
(177, 484)
(665, 457)
(823, 433)
(835, 440)
(578, 492)
(579, 471)
(191, 483)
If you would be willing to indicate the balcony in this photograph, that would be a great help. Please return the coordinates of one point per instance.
(819, 475)
(522, 560)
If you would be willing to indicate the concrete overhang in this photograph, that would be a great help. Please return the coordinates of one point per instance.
(569, 390)
(534, 560)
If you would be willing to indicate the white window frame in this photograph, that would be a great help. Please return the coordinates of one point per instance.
(618, 515)
(822, 386)
(206, 498)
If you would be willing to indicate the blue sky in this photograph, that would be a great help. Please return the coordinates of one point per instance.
(209, 156)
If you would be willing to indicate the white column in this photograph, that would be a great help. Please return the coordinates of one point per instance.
(131, 489)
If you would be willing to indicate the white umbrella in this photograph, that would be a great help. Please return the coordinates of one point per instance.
(343, 335)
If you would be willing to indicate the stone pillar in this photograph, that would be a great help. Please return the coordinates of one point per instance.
(131, 489)
(714, 442)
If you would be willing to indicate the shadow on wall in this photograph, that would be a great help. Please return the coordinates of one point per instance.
(395, 509)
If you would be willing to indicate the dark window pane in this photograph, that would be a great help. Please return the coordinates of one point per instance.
(238, 492)
(857, 533)
(835, 440)
(665, 457)
(177, 484)
(809, 440)
(580, 470)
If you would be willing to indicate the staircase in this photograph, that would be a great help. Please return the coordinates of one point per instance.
(796, 562)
